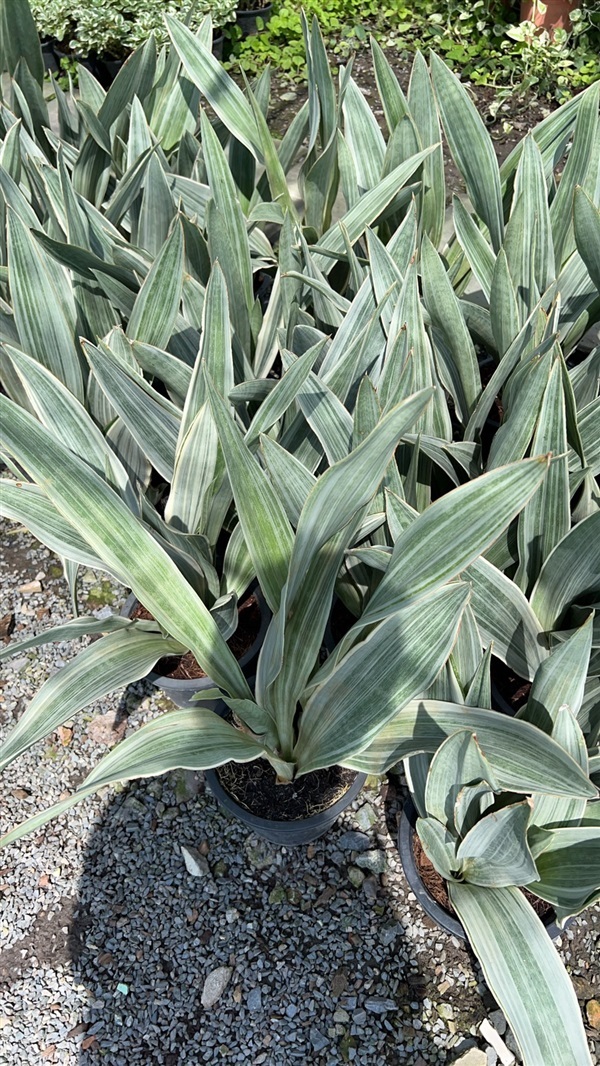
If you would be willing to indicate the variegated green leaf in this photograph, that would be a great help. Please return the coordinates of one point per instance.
(471, 147)
(155, 310)
(569, 573)
(127, 548)
(529, 982)
(569, 869)
(43, 307)
(523, 758)
(376, 678)
(495, 853)
(191, 739)
(114, 661)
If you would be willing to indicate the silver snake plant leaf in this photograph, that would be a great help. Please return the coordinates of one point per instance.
(379, 676)
(111, 662)
(439, 845)
(523, 758)
(153, 421)
(495, 853)
(459, 761)
(27, 504)
(569, 869)
(453, 532)
(529, 982)
(214, 83)
(262, 517)
(580, 169)
(189, 739)
(156, 306)
(570, 572)
(125, 545)
(587, 233)
(43, 307)
(471, 147)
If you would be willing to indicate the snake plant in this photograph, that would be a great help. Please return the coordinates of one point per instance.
(488, 833)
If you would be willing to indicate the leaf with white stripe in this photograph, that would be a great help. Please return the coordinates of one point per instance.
(152, 420)
(529, 981)
(156, 306)
(452, 533)
(471, 148)
(222, 93)
(522, 757)
(127, 548)
(195, 739)
(569, 869)
(262, 517)
(27, 504)
(570, 572)
(43, 307)
(110, 663)
(376, 678)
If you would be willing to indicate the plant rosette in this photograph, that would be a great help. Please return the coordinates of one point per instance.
(424, 880)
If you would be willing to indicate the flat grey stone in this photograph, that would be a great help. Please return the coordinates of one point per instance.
(379, 1005)
(373, 861)
(215, 985)
(318, 1041)
(254, 1000)
(354, 841)
(195, 863)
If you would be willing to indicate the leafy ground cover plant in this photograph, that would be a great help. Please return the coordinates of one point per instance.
(117, 27)
(484, 40)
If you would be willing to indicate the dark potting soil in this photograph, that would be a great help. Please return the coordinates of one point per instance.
(186, 667)
(436, 885)
(513, 688)
(254, 786)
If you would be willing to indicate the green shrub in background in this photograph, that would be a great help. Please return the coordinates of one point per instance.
(119, 26)
(482, 37)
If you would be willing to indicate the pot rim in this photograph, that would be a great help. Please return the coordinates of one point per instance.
(322, 821)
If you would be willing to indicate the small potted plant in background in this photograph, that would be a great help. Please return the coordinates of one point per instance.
(252, 16)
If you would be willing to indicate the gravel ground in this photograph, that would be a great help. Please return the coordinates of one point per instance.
(113, 952)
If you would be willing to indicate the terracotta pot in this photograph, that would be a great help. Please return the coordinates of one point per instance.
(553, 15)
(299, 831)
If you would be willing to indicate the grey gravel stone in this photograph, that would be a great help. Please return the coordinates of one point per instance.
(254, 1000)
(195, 863)
(379, 1005)
(102, 898)
(215, 985)
(354, 841)
(374, 861)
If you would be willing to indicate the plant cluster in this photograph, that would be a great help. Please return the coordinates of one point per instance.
(117, 27)
(207, 383)
(481, 38)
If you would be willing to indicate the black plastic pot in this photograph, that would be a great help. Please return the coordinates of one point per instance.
(300, 831)
(217, 47)
(49, 57)
(247, 20)
(181, 690)
(441, 917)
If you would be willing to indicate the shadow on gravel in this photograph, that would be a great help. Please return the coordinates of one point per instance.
(316, 953)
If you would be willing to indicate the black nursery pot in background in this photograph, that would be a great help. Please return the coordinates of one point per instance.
(181, 690)
(248, 20)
